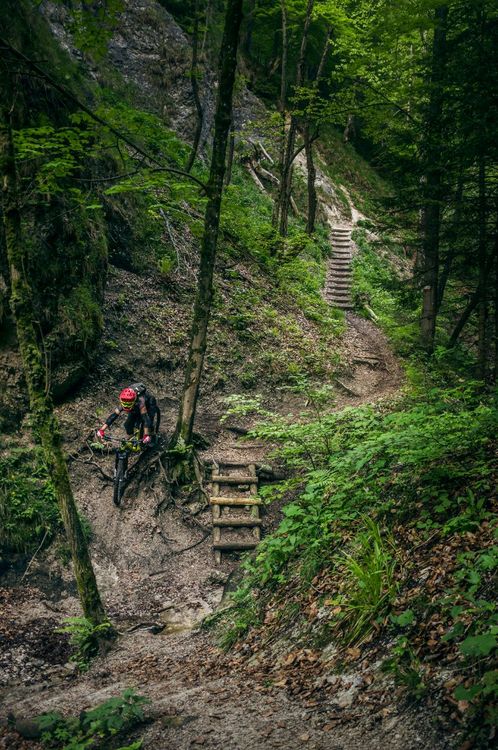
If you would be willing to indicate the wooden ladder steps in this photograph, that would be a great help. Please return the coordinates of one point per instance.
(338, 286)
(250, 522)
(234, 479)
(237, 523)
(235, 501)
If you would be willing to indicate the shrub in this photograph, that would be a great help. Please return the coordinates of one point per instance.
(28, 507)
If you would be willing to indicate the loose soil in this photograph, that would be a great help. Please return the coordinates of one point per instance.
(156, 572)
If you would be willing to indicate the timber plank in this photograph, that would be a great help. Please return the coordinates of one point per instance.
(233, 478)
(235, 500)
(237, 522)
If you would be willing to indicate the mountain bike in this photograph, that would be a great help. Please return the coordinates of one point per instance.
(126, 447)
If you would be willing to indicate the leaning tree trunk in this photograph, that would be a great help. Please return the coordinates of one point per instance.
(431, 224)
(194, 80)
(44, 419)
(204, 297)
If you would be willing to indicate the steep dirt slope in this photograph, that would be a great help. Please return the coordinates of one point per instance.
(200, 697)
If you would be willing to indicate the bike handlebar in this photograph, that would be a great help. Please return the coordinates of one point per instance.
(131, 440)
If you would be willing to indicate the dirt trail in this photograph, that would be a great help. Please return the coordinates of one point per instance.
(199, 696)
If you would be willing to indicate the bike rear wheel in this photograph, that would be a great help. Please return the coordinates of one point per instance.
(119, 482)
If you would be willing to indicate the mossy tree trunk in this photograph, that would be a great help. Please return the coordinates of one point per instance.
(204, 296)
(44, 420)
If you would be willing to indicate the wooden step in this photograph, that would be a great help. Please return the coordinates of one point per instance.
(235, 500)
(226, 546)
(230, 464)
(234, 478)
(227, 522)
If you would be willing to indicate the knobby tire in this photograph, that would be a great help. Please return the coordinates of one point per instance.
(119, 483)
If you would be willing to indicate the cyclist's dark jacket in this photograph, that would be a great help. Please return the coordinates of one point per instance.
(142, 413)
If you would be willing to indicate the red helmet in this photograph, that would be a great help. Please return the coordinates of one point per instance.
(127, 398)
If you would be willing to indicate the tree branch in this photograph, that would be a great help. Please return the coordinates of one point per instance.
(67, 94)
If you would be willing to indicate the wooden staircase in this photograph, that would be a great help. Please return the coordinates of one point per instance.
(235, 507)
(338, 285)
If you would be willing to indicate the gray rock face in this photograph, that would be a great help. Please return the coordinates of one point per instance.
(153, 54)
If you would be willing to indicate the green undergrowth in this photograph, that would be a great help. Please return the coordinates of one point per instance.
(28, 509)
(85, 639)
(344, 165)
(269, 315)
(104, 727)
(381, 284)
(380, 494)
(29, 515)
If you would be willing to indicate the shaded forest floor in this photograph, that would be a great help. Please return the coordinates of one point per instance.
(199, 695)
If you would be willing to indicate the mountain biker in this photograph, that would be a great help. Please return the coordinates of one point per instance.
(141, 407)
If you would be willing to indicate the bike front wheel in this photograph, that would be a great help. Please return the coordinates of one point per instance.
(119, 482)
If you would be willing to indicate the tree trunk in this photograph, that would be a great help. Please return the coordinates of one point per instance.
(231, 151)
(283, 117)
(495, 372)
(311, 169)
(308, 146)
(483, 276)
(452, 239)
(194, 80)
(431, 222)
(203, 301)
(290, 141)
(474, 300)
(349, 130)
(249, 28)
(44, 420)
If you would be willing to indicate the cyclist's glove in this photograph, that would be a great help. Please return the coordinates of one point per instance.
(146, 439)
(101, 434)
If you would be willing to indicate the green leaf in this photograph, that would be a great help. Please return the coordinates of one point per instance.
(479, 645)
(466, 694)
(405, 618)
